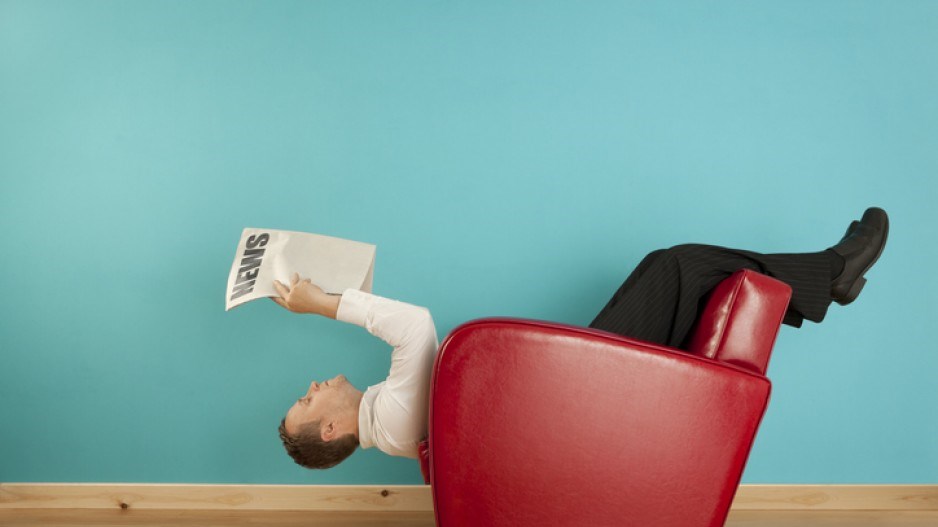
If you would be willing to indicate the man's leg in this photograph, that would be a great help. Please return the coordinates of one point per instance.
(660, 301)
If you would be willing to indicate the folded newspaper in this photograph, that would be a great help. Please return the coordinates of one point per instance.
(265, 255)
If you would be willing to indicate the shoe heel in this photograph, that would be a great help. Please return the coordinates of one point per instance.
(854, 291)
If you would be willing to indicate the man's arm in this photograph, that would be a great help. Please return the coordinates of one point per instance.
(395, 419)
(303, 296)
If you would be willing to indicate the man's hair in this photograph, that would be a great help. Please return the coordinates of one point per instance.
(309, 450)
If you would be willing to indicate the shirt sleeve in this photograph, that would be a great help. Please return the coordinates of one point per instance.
(399, 412)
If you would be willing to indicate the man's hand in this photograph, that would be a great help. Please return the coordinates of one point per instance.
(305, 297)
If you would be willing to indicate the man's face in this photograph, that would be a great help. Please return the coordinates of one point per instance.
(323, 400)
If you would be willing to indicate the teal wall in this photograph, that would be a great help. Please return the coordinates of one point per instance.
(507, 158)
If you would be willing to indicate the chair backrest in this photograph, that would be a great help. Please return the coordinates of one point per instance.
(741, 320)
(533, 423)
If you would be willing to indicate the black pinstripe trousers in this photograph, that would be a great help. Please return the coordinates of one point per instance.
(659, 302)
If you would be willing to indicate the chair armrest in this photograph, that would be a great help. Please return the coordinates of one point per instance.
(741, 320)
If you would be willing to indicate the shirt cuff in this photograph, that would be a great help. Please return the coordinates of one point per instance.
(354, 307)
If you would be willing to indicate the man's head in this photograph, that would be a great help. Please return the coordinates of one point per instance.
(321, 428)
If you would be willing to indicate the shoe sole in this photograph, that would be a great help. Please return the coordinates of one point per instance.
(858, 284)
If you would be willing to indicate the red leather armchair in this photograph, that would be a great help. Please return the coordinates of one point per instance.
(534, 423)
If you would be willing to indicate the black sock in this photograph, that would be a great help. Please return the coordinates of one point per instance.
(837, 263)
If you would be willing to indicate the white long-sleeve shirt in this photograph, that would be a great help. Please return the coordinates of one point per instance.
(393, 413)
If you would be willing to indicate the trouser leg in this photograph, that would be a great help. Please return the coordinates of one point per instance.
(660, 300)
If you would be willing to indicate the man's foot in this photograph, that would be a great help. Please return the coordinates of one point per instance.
(860, 248)
(853, 226)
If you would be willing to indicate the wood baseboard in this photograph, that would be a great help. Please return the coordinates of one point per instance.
(837, 497)
(409, 498)
(366, 498)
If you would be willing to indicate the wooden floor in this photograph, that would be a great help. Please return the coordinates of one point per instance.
(170, 518)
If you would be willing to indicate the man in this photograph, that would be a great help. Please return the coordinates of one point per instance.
(657, 303)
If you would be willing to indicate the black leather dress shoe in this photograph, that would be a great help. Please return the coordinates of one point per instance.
(860, 248)
(853, 226)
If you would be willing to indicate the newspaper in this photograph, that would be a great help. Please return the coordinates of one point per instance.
(265, 255)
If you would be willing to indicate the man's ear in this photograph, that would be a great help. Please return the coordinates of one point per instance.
(327, 431)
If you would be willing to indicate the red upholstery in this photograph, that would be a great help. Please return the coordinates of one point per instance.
(757, 304)
(533, 423)
(423, 450)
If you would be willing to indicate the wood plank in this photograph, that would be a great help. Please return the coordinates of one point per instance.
(202, 518)
(832, 519)
(235, 518)
(837, 497)
(413, 497)
(215, 497)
